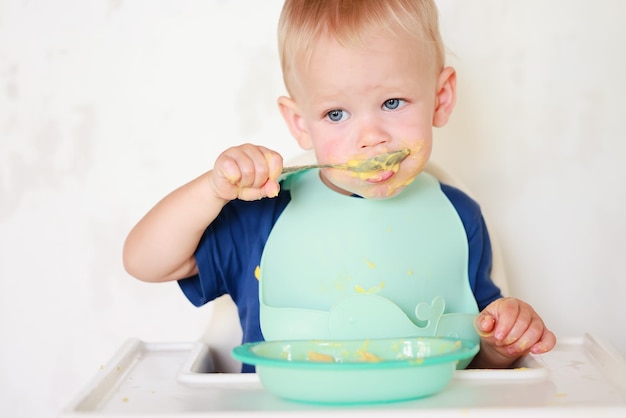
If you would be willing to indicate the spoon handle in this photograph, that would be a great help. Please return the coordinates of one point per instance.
(295, 168)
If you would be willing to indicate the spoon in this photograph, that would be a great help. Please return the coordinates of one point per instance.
(380, 162)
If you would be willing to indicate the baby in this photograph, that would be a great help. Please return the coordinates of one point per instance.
(343, 254)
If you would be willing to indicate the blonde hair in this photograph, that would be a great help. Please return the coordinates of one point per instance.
(351, 23)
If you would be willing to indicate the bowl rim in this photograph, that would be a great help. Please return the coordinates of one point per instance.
(246, 354)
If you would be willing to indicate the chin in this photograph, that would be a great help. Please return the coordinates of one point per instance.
(379, 186)
(382, 192)
(378, 190)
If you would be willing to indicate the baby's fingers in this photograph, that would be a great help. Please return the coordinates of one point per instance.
(248, 172)
(485, 323)
(262, 180)
(545, 344)
(505, 313)
(510, 328)
(514, 326)
(522, 344)
(246, 166)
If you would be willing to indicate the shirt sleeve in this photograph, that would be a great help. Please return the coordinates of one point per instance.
(230, 249)
(480, 256)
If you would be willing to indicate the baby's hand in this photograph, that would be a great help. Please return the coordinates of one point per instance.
(247, 172)
(508, 329)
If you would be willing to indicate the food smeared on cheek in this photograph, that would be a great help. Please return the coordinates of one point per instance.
(400, 185)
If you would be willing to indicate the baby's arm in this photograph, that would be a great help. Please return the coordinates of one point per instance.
(508, 329)
(161, 246)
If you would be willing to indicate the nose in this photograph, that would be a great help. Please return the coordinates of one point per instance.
(372, 133)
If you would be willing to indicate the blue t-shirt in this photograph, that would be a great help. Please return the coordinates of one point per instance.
(231, 247)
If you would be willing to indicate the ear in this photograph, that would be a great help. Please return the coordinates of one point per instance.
(295, 122)
(445, 97)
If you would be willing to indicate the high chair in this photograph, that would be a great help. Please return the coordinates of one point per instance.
(581, 376)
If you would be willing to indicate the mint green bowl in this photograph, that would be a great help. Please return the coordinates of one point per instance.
(356, 371)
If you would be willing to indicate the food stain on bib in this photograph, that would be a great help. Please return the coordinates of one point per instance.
(372, 290)
(370, 264)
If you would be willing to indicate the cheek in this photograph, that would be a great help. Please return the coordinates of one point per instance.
(329, 142)
(423, 155)
(419, 156)
(328, 150)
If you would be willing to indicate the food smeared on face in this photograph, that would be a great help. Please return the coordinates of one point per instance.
(379, 168)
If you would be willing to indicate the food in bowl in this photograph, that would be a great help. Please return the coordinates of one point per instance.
(356, 371)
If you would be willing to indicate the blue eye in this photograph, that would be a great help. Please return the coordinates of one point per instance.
(337, 115)
(393, 104)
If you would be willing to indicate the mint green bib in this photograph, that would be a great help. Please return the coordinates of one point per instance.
(342, 267)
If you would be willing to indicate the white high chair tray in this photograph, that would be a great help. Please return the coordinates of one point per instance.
(580, 377)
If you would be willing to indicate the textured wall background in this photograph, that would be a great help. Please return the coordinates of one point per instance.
(107, 105)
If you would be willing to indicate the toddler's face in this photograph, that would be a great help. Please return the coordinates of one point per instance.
(358, 103)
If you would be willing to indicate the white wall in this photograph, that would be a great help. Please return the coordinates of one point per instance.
(105, 106)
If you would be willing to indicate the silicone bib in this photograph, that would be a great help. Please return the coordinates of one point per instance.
(342, 267)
